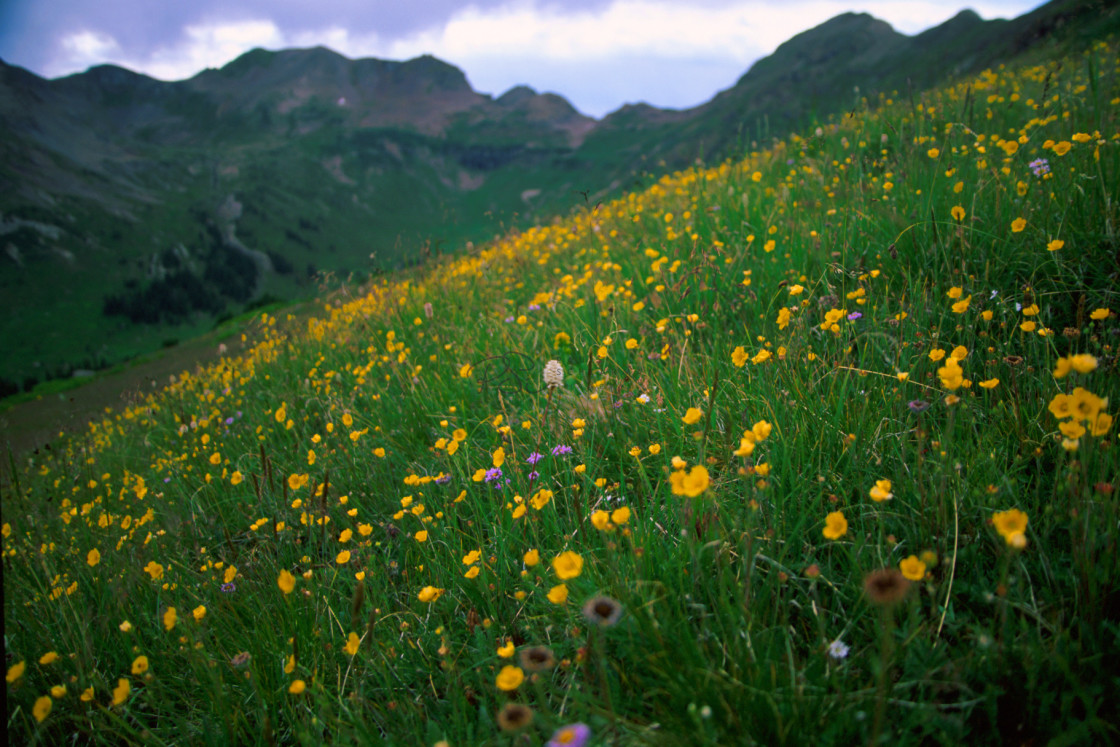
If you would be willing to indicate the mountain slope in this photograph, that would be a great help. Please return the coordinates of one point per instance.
(134, 212)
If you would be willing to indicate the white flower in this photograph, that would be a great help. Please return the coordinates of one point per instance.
(643, 398)
(553, 374)
(838, 649)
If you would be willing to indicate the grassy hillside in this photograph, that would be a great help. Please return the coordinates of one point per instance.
(832, 461)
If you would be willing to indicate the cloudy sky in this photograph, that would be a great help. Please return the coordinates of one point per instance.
(599, 54)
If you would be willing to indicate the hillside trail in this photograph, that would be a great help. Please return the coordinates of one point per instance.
(27, 427)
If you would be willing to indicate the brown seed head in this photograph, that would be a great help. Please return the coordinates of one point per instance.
(886, 587)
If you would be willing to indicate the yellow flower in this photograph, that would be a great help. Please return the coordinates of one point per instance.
(236, 478)
(466, 370)
(692, 483)
(1062, 148)
(567, 565)
(951, 374)
(1061, 406)
(1082, 363)
(531, 558)
(58, 691)
(1086, 405)
(474, 570)
(692, 415)
(87, 694)
(1071, 429)
(352, 643)
(783, 317)
(48, 658)
(510, 678)
(15, 671)
(957, 213)
(936, 354)
(746, 447)
(881, 491)
(42, 708)
(1018, 225)
(955, 292)
(621, 515)
(121, 691)
(1101, 424)
(421, 536)
(1010, 524)
(286, 581)
(1055, 245)
(835, 525)
(170, 617)
(558, 594)
(344, 557)
(601, 520)
(93, 557)
(761, 430)
(990, 383)
(1099, 314)
(739, 356)
(429, 594)
(507, 650)
(297, 687)
(541, 498)
(761, 357)
(912, 568)
(199, 612)
(140, 665)
(962, 306)
(933, 153)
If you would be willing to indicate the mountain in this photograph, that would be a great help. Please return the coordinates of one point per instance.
(134, 212)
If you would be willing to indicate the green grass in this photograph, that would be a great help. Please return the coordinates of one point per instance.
(350, 453)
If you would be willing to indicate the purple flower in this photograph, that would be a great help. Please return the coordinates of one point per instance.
(561, 450)
(917, 405)
(229, 588)
(534, 307)
(509, 320)
(838, 649)
(494, 474)
(854, 315)
(1040, 166)
(572, 735)
(534, 458)
(534, 475)
(443, 479)
(229, 421)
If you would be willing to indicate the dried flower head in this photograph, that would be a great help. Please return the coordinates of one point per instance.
(602, 611)
(553, 374)
(885, 587)
(537, 658)
(514, 717)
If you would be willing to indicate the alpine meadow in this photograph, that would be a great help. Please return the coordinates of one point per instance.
(815, 445)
